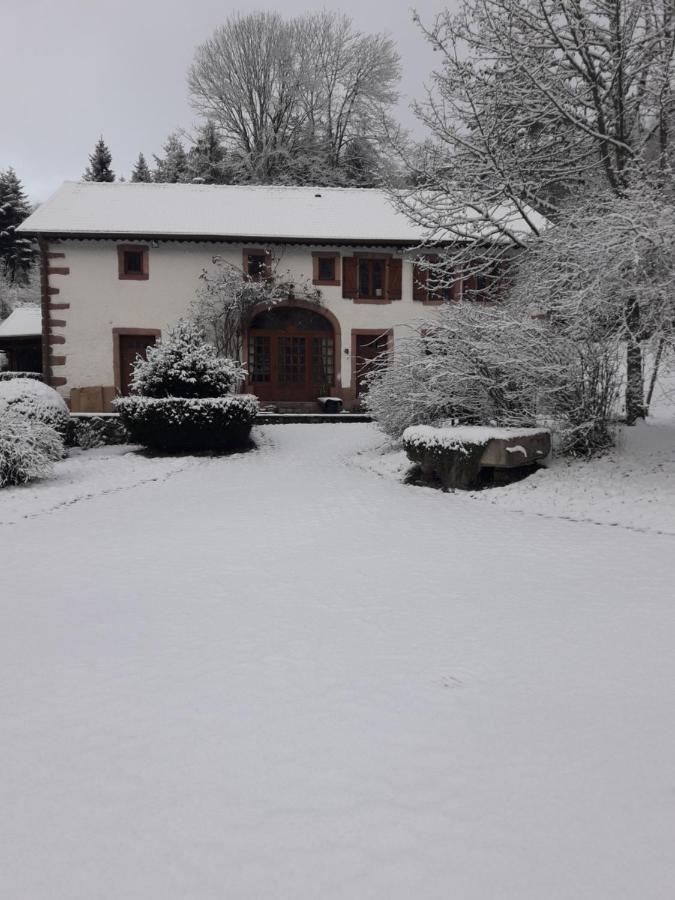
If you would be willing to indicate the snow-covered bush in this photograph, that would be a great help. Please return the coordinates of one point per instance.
(27, 447)
(35, 401)
(180, 399)
(503, 365)
(185, 365)
(185, 424)
(96, 431)
(469, 363)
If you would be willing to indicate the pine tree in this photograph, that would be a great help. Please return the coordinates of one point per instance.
(206, 159)
(141, 171)
(99, 164)
(16, 253)
(173, 167)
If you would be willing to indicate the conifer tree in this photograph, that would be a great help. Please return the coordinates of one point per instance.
(173, 166)
(206, 159)
(141, 171)
(99, 164)
(16, 253)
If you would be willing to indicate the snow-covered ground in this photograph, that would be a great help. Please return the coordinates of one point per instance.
(632, 486)
(278, 675)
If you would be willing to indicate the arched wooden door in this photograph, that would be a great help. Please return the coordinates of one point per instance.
(291, 354)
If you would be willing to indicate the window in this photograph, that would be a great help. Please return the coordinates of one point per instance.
(260, 359)
(323, 356)
(433, 282)
(132, 262)
(371, 278)
(256, 264)
(325, 268)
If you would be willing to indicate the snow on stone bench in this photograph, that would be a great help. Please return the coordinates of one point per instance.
(456, 455)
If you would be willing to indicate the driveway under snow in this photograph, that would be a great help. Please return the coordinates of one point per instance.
(280, 675)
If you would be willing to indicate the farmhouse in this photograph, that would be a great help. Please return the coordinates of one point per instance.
(122, 262)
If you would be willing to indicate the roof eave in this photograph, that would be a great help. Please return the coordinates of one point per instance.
(219, 238)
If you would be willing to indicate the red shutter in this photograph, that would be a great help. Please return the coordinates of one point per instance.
(420, 276)
(394, 279)
(349, 283)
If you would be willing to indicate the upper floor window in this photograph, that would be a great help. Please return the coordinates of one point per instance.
(372, 277)
(433, 282)
(132, 262)
(325, 268)
(256, 264)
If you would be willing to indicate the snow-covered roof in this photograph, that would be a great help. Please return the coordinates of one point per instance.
(306, 214)
(26, 321)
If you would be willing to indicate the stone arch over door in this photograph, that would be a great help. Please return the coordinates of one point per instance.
(292, 352)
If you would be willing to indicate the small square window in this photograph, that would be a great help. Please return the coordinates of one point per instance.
(133, 262)
(325, 268)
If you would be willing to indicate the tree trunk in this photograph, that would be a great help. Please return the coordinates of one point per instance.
(634, 378)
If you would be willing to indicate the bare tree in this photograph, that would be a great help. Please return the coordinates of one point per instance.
(536, 102)
(290, 95)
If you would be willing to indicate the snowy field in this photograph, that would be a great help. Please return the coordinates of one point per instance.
(284, 674)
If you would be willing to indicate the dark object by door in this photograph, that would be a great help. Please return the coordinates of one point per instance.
(131, 347)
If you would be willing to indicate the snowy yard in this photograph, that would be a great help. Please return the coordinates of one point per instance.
(282, 675)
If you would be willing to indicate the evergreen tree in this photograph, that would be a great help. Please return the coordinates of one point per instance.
(141, 171)
(173, 167)
(99, 164)
(206, 159)
(16, 253)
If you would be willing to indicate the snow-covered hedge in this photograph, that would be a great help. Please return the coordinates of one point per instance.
(35, 401)
(27, 447)
(187, 423)
(185, 365)
(9, 376)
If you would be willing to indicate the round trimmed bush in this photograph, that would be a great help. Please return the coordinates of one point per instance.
(36, 401)
(189, 424)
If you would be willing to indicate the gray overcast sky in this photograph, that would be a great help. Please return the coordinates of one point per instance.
(71, 70)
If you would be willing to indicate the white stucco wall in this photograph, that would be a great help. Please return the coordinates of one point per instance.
(99, 301)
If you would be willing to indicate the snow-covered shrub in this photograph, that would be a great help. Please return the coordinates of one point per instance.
(96, 431)
(27, 447)
(181, 398)
(185, 365)
(503, 365)
(471, 364)
(10, 376)
(35, 401)
(189, 424)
